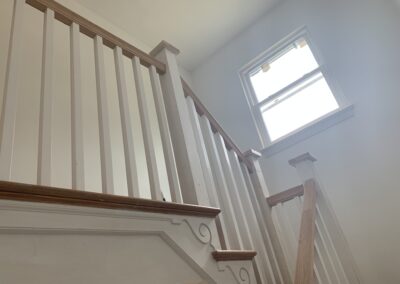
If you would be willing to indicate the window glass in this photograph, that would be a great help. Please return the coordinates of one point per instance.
(275, 74)
(309, 102)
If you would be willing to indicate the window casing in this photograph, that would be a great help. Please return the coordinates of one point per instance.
(288, 89)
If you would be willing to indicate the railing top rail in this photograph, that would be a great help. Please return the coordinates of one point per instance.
(90, 29)
(215, 126)
(285, 196)
(45, 194)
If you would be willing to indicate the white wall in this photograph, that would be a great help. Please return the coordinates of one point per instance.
(26, 137)
(358, 159)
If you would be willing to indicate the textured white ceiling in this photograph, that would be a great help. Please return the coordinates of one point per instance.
(197, 27)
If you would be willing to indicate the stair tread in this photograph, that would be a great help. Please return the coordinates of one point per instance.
(231, 255)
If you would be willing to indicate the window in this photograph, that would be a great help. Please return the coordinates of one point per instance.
(287, 90)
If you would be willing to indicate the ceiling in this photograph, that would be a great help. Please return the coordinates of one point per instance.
(197, 28)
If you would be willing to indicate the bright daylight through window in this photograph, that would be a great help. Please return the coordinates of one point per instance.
(290, 90)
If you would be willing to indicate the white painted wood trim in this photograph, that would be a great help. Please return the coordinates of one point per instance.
(309, 130)
(233, 237)
(46, 102)
(169, 155)
(104, 128)
(78, 171)
(10, 95)
(126, 125)
(149, 145)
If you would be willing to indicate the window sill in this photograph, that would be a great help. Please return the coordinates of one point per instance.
(309, 130)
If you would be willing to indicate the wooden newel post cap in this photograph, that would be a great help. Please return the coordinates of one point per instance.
(252, 154)
(164, 45)
(302, 158)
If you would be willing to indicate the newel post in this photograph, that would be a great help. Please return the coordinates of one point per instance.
(278, 262)
(305, 252)
(304, 165)
(187, 158)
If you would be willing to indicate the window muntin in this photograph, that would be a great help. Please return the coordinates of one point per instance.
(295, 110)
(290, 90)
(294, 62)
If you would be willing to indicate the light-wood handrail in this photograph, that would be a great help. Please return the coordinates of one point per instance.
(66, 16)
(285, 196)
(52, 195)
(215, 126)
(305, 253)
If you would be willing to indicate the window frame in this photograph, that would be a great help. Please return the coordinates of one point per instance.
(344, 110)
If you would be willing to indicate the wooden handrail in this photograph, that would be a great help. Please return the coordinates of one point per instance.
(286, 195)
(45, 194)
(90, 29)
(215, 126)
(305, 253)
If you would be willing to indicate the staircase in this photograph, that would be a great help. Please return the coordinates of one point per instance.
(193, 207)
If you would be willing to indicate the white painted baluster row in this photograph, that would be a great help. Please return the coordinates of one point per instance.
(127, 130)
(172, 170)
(261, 225)
(44, 162)
(230, 188)
(233, 238)
(251, 219)
(149, 143)
(207, 170)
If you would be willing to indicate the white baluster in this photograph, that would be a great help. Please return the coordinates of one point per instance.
(104, 128)
(251, 219)
(126, 124)
(149, 146)
(233, 238)
(337, 265)
(201, 149)
(261, 225)
(320, 261)
(172, 171)
(282, 238)
(44, 153)
(287, 235)
(78, 172)
(10, 96)
(233, 192)
(332, 272)
(205, 164)
(260, 190)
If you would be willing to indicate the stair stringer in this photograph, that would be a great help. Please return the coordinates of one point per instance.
(192, 238)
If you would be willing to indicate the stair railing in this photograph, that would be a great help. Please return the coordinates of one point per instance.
(235, 183)
(102, 39)
(204, 166)
(311, 238)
